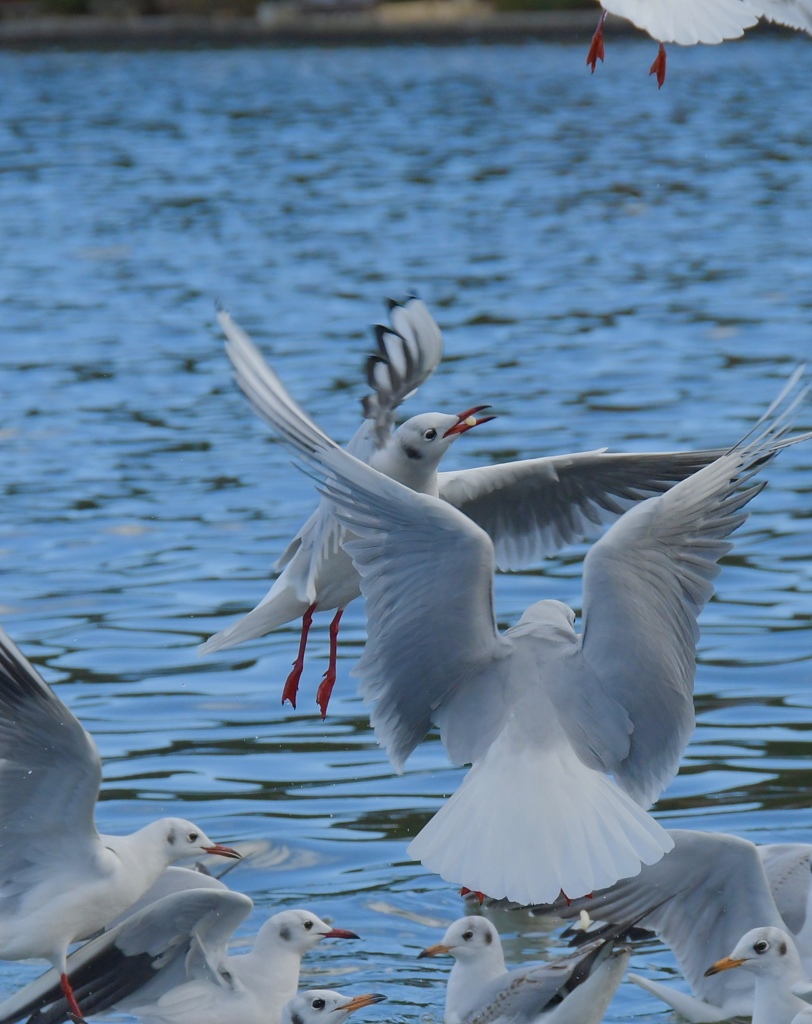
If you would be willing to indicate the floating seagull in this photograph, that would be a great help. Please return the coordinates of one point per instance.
(700, 899)
(576, 988)
(529, 508)
(323, 1006)
(169, 962)
(569, 736)
(61, 881)
(687, 22)
(768, 954)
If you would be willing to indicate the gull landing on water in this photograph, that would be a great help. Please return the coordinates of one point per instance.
(687, 22)
(61, 881)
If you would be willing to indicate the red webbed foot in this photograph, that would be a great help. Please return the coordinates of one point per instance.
(658, 67)
(596, 49)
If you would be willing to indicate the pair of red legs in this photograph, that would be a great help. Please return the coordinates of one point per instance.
(596, 53)
(328, 682)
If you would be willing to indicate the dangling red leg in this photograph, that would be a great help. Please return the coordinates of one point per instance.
(67, 992)
(658, 67)
(292, 682)
(479, 896)
(596, 51)
(326, 685)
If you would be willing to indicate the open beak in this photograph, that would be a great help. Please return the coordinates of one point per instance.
(438, 950)
(467, 419)
(360, 1001)
(340, 933)
(223, 851)
(725, 964)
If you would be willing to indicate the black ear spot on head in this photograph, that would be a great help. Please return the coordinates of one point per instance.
(170, 838)
(284, 935)
(782, 949)
(413, 453)
(295, 1018)
(488, 938)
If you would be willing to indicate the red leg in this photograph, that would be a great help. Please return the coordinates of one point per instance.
(326, 685)
(67, 992)
(480, 896)
(658, 67)
(596, 51)
(292, 682)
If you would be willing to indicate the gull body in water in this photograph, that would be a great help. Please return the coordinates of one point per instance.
(573, 989)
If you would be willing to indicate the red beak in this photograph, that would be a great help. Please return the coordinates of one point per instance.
(340, 933)
(467, 419)
(223, 851)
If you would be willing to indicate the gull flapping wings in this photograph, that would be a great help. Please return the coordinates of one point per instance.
(793, 13)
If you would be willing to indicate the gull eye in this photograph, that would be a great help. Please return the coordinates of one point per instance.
(468, 935)
(761, 946)
(318, 1004)
(430, 434)
(308, 925)
(192, 837)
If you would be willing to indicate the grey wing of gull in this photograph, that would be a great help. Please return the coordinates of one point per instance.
(50, 775)
(788, 867)
(793, 13)
(626, 697)
(700, 899)
(172, 880)
(532, 508)
(523, 994)
(409, 351)
(137, 956)
(421, 649)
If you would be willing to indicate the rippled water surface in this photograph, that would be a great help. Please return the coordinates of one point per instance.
(611, 266)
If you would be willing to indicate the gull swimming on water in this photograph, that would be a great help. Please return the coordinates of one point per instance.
(569, 736)
(529, 508)
(573, 989)
(700, 899)
(169, 962)
(768, 954)
(60, 880)
(323, 1006)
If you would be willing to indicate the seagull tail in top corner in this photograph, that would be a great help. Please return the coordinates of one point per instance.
(528, 824)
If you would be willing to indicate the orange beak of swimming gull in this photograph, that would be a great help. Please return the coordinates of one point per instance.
(725, 964)
(341, 933)
(438, 950)
(360, 1001)
(223, 851)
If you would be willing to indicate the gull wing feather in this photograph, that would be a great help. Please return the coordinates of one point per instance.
(50, 775)
(687, 21)
(533, 507)
(793, 13)
(647, 580)
(433, 640)
(136, 957)
(409, 351)
(700, 899)
(787, 866)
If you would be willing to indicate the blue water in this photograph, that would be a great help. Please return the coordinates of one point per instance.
(611, 266)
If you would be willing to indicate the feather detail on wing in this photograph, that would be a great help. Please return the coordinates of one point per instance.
(532, 508)
(687, 21)
(645, 583)
(409, 351)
